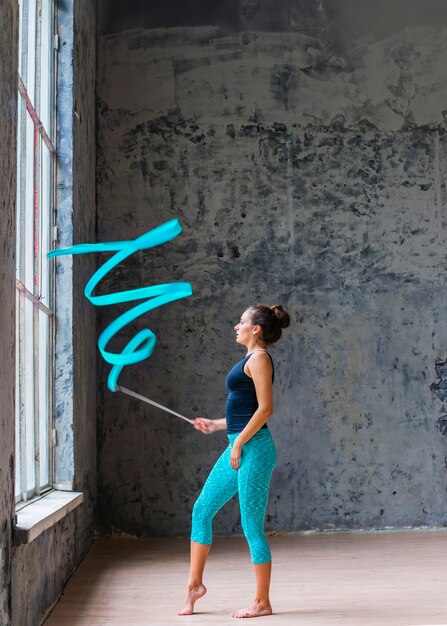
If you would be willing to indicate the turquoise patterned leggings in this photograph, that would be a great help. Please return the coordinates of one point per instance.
(251, 481)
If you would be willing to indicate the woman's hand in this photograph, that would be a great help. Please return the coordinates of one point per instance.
(206, 426)
(236, 452)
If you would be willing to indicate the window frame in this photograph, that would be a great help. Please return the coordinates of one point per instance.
(43, 139)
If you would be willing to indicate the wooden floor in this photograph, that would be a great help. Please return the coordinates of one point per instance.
(356, 579)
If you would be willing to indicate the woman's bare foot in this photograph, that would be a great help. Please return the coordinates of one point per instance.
(257, 609)
(192, 595)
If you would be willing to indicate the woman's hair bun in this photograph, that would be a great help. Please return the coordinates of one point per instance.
(272, 319)
(281, 315)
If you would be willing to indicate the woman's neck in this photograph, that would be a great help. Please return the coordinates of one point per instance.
(255, 345)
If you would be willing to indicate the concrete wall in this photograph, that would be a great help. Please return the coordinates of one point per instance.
(302, 146)
(8, 131)
(41, 569)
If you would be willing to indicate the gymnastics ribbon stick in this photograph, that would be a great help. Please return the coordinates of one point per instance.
(144, 399)
(142, 345)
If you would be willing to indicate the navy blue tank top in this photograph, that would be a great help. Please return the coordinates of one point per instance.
(241, 399)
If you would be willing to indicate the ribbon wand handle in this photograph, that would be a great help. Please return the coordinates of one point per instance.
(144, 399)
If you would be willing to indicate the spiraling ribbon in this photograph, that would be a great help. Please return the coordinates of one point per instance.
(142, 345)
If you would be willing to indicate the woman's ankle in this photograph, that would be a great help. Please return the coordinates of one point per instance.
(193, 584)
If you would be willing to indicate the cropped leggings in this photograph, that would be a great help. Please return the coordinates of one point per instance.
(251, 481)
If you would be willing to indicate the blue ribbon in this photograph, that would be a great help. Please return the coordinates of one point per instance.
(142, 345)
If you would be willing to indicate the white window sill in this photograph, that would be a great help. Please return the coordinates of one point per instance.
(40, 515)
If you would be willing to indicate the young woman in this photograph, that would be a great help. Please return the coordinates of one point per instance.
(246, 465)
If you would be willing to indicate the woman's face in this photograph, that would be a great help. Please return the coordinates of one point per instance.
(244, 330)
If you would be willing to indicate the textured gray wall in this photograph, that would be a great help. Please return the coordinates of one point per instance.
(8, 130)
(302, 146)
(84, 230)
(41, 569)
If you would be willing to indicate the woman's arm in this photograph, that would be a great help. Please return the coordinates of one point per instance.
(261, 372)
(209, 426)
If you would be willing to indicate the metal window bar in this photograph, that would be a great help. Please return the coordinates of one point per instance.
(39, 134)
(31, 110)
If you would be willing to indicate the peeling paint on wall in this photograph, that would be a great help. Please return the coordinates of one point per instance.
(440, 390)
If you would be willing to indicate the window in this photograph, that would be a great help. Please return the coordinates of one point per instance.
(35, 218)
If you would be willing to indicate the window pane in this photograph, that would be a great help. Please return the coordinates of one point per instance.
(29, 204)
(44, 425)
(17, 465)
(45, 223)
(31, 61)
(28, 56)
(20, 393)
(46, 67)
(21, 155)
(20, 35)
(29, 395)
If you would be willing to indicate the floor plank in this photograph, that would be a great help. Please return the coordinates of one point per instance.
(354, 579)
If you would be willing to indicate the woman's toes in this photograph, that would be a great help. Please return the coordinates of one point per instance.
(241, 613)
(185, 612)
(252, 611)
